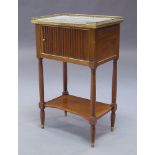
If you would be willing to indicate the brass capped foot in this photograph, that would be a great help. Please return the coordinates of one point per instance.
(92, 145)
(112, 129)
(42, 126)
(65, 113)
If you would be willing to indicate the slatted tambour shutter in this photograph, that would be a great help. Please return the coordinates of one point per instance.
(67, 42)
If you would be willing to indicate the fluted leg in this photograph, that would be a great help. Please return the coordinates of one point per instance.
(65, 90)
(93, 107)
(114, 94)
(41, 90)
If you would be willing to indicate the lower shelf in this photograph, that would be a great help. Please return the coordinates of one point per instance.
(77, 105)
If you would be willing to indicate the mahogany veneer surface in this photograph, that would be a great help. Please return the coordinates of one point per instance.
(76, 45)
(78, 105)
(89, 40)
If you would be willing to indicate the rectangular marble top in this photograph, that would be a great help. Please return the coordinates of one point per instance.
(78, 20)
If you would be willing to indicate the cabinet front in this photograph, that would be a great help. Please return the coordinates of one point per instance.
(62, 41)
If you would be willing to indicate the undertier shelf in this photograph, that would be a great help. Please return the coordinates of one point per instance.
(77, 105)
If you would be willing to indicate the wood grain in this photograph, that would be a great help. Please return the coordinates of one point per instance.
(107, 44)
(41, 91)
(77, 105)
(114, 94)
(84, 46)
(92, 47)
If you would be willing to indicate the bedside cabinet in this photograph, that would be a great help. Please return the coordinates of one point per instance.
(89, 40)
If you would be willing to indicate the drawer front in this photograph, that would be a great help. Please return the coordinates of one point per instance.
(66, 42)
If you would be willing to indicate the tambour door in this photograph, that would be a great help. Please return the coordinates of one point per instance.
(63, 41)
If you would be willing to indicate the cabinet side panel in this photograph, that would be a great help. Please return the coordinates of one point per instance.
(38, 39)
(92, 45)
(66, 42)
(107, 42)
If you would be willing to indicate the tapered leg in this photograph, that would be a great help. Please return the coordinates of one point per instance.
(114, 94)
(92, 132)
(113, 116)
(41, 90)
(93, 107)
(42, 117)
(65, 90)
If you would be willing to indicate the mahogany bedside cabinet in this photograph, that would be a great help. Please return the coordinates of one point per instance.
(88, 40)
